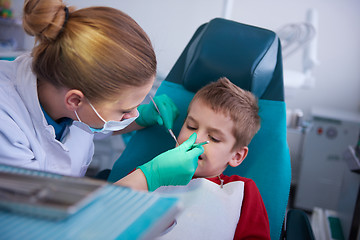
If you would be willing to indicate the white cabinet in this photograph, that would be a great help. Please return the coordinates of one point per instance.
(12, 38)
(323, 166)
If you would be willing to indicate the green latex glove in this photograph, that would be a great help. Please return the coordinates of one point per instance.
(149, 116)
(174, 167)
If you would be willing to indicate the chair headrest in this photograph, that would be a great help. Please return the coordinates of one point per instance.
(246, 55)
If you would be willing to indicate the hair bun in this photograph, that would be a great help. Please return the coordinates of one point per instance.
(43, 19)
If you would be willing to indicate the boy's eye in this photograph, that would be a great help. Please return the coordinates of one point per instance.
(214, 139)
(191, 127)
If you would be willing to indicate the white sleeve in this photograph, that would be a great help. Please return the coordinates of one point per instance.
(15, 148)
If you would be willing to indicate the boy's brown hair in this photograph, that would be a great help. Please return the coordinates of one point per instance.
(240, 105)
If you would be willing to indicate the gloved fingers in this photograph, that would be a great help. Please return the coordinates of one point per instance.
(147, 115)
(140, 109)
(168, 110)
(194, 155)
(175, 111)
(168, 121)
(165, 111)
(196, 151)
(188, 143)
(159, 120)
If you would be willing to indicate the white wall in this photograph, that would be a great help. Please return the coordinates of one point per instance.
(338, 75)
(170, 25)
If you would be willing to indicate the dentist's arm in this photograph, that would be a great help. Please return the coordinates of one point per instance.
(135, 180)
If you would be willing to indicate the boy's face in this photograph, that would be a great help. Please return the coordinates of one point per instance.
(217, 129)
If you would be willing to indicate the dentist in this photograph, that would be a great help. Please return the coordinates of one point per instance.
(88, 73)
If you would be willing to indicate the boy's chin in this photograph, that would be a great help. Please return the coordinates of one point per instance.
(199, 174)
(196, 174)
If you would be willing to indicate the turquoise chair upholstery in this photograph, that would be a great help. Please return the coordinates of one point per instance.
(251, 58)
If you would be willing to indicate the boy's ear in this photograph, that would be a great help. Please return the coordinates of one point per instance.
(238, 156)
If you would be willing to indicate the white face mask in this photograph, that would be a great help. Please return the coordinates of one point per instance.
(109, 126)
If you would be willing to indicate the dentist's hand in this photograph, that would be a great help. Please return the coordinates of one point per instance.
(174, 167)
(149, 116)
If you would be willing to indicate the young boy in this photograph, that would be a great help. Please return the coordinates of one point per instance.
(216, 206)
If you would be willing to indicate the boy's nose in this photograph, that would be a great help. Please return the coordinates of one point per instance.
(201, 137)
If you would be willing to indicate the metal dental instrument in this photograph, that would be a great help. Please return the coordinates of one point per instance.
(199, 144)
(170, 131)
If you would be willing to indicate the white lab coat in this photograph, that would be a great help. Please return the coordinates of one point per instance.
(26, 139)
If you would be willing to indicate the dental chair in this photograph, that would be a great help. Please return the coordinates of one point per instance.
(250, 57)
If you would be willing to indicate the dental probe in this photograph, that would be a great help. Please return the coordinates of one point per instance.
(199, 144)
(170, 131)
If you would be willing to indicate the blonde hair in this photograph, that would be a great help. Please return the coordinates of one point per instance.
(97, 50)
(224, 97)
